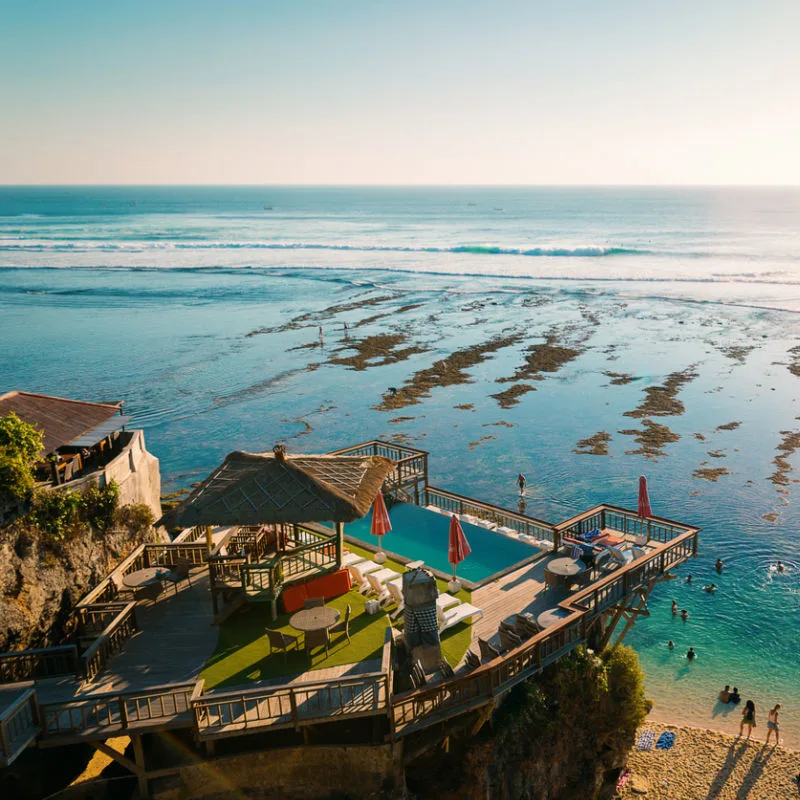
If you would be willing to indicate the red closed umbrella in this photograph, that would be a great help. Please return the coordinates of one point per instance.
(458, 548)
(380, 523)
(644, 500)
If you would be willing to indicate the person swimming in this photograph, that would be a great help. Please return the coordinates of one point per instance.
(674, 606)
(718, 566)
(735, 696)
(690, 654)
(688, 579)
(710, 588)
(671, 644)
(684, 614)
(779, 567)
(725, 694)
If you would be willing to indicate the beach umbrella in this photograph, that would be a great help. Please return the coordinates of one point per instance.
(644, 500)
(458, 549)
(380, 524)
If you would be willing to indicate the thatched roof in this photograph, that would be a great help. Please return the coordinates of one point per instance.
(255, 488)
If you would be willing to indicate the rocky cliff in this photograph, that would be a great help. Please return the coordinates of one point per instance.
(564, 735)
(40, 582)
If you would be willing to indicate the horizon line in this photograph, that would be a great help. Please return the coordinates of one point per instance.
(406, 185)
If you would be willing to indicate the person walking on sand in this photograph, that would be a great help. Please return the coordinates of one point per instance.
(772, 723)
(522, 482)
(748, 718)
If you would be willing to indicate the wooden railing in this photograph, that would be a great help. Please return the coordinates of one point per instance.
(110, 641)
(45, 662)
(104, 714)
(290, 706)
(19, 726)
(624, 521)
(458, 504)
(417, 709)
(376, 447)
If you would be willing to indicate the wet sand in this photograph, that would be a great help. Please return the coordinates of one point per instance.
(704, 765)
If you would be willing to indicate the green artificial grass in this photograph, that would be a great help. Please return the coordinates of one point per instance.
(243, 654)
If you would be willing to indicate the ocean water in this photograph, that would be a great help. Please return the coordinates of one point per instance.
(201, 308)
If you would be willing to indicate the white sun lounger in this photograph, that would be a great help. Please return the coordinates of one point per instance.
(395, 589)
(377, 583)
(352, 558)
(359, 573)
(460, 613)
(445, 601)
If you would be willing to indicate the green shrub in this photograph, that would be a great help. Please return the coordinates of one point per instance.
(16, 478)
(55, 513)
(137, 517)
(626, 686)
(19, 438)
(98, 505)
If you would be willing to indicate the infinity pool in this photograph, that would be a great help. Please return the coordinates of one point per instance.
(419, 534)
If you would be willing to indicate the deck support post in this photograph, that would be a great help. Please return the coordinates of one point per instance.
(141, 774)
(339, 544)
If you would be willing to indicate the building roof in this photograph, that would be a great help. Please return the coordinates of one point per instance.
(62, 421)
(255, 488)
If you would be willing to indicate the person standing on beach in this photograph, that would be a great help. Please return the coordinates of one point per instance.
(522, 483)
(748, 718)
(772, 723)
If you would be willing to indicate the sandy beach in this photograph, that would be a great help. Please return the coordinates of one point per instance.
(704, 765)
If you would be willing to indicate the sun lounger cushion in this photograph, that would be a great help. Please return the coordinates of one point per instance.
(327, 586)
(609, 540)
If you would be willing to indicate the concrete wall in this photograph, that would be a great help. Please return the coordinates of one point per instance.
(135, 470)
(311, 773)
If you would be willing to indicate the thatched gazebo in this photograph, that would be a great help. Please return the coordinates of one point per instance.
(259, 488)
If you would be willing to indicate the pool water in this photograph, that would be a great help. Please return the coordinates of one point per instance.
(419, 534)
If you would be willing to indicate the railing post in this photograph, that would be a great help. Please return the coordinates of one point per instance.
(123, 711)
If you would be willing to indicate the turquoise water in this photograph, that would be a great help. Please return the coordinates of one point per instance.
(192, 307)
(423, 535)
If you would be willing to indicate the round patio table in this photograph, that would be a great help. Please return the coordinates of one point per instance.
(565, 567)
(314, 619)
(143, 577)
(551, 616)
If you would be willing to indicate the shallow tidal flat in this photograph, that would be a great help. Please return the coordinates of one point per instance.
(581, 390)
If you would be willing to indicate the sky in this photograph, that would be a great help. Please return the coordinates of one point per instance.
(303, 92)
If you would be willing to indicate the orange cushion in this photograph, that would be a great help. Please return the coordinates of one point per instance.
(609, 540)
(293, 598)
(327, 586)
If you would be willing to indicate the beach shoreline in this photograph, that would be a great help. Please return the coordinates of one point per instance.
(705, 764)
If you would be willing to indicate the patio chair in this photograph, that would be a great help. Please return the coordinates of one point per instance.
(418, 675)
(278, 640)
(377, 583)
(395, 589)
(180, 572)
(150, 591)
(461, 613)
(472, 661)
(352, 558)
(314, 602)
(318, 638)
(446, 670)
(526, 626)
(508, 639)
(359, 572)
(445, 601)
(343, 625)
(487, 650)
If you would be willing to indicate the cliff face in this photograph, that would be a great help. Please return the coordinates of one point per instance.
(39, 584)
(565, 735)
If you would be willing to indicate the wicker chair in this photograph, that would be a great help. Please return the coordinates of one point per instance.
(508, 639)
(446, 670)
(278, 640)
(314, 602)
(487, 650)
(150, 591)
(318, 638)
(180, 572)
(344, 625)
(526, 626)
(473, 662)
